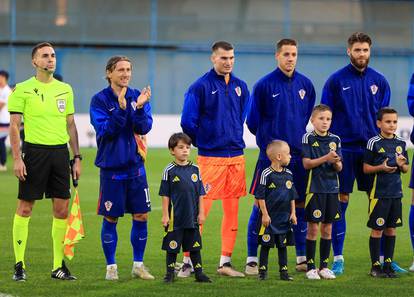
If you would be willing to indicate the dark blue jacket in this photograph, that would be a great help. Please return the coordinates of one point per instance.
(355, 98)
(214, 113)
(280, 109)
(410, 102)
(117, 154)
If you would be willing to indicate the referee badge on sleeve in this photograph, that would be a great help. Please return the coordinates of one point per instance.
(61, 104)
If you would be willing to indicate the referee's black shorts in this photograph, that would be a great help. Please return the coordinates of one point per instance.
(48, 172)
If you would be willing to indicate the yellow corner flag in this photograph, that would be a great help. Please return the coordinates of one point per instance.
(74, 231)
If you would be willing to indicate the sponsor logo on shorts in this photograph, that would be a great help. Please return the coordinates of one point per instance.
(61, 104)
(374, 89)
(238, 91)
(108, 205)
(332, 146)
(194, 177)
(302, 93)
(196, 244)
(266, 237)
(173, 244)
(289, 184)
(380, 222)
(399, 149)
(398, 221)
(317, 213)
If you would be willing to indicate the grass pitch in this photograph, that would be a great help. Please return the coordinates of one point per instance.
(89, 264)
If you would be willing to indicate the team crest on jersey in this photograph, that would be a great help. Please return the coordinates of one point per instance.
(399, 149)
(194, 177)
(173, 244)
(207, 187)
(266, 237)
(302, 93)
(317, 213)
(289, 184)
(61, 104)
(108, 205)
(238, 91)
(380, 222)
(133, 105)
(332, 146)
(374, 89)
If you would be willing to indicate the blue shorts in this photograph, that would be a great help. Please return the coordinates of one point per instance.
(295, 165)
(352, 168)
(117, 197)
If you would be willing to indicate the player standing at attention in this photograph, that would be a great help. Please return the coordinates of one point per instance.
(354, 93)
(276, 195)
(182, 194)
(385, 158)
(282, 103)
(118, 113)
(214, 111)
(321, 151)
(43, 166)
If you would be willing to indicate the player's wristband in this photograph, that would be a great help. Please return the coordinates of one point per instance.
(77, 157)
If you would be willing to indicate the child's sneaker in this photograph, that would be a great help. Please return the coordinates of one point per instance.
(262, 275)
(377, 272)
(313, 274)
(169, 277)
(326, 273)
(284, 275)
(202, 278)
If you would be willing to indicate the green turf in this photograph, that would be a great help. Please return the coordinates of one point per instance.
(89, 264)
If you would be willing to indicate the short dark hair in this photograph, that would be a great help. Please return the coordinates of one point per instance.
(285, 41)
(176, 137)
(111, 64)
(359, 37)
(5, 74)
(321, 108)
(227, 46)
(39, 46)
(385, 110)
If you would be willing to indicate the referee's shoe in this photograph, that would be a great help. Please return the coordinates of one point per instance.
(62, 273)
(19, 272)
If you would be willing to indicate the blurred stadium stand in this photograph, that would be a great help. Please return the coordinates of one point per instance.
(169, 40)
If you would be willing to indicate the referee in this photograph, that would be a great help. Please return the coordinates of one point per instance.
(43, 166)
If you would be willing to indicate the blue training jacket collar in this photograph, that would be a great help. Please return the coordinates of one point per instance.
(109, 92)
(217, 76)
(352, 69)
(279, 74)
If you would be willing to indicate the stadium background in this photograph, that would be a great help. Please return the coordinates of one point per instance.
(169, 42)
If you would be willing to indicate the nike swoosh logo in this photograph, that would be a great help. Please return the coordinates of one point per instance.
(345, 88)
(275, 95)
(213, 92)
(340, 233)
(139, 238)
(111, 109)
(304, 230)
(108, 241)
